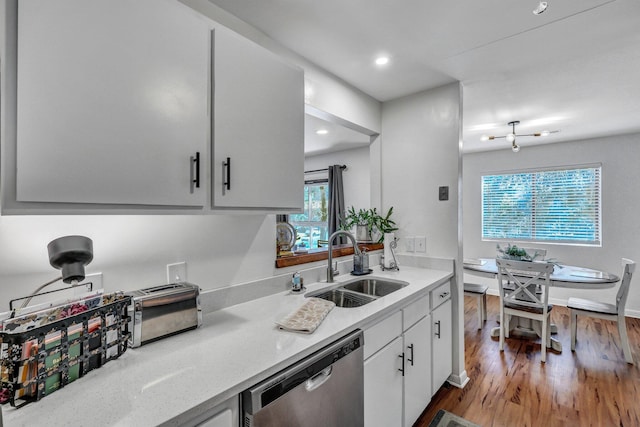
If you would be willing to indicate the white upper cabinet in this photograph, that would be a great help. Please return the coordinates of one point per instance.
(258, 127)
(112, 102)
(144, 106)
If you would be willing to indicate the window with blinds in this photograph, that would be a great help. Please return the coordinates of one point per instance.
(551, 205)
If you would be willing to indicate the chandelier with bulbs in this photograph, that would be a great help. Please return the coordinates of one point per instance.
(511, 137)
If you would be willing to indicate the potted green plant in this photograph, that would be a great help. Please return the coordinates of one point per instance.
(515, 253)
(368, 222)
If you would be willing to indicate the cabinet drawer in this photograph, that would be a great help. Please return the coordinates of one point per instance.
(382, 333)
(440, 295)
(415, 311)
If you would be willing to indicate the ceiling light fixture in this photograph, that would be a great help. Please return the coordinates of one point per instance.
(322, 132)
(542, 6)
(382, 60)
(511, 137)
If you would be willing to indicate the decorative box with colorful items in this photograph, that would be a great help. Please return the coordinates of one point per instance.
(46, 347)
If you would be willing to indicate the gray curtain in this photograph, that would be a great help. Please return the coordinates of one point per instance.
(336, 201)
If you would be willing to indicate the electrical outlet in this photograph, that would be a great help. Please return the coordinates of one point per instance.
(410, 244)
(177, 272)
(91, 282)
(421, 244)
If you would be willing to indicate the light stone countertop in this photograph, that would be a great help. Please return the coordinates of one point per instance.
(172, 380)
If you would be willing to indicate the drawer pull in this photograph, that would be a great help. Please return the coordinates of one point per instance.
(444, 294)
(227, 181)
(410, 360)
(194, 162)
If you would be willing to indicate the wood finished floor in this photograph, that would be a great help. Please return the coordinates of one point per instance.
(592, 387)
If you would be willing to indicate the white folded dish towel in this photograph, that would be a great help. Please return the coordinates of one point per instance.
(307, 318)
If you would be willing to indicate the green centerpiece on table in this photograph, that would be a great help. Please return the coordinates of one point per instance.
(518, 254)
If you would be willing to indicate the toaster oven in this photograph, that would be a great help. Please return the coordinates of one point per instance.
(161, 311)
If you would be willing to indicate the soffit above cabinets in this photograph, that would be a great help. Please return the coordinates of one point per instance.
(337, 138)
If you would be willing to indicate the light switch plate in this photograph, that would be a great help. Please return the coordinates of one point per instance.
(410, 244)
(421, 244)
(177, 272)
(443, 193)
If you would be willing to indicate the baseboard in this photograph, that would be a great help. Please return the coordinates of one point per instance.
(458, 380)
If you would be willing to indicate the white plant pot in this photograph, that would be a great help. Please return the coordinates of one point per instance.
(363, 234)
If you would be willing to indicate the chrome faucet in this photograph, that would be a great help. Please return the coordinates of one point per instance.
(333, 236)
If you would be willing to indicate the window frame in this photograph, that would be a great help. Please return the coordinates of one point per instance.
(311, 224)
(596, 242)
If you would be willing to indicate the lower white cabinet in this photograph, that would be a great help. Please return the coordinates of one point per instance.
(383, 386)
(441, 344)
(226, 414)
(417, 370)
(397, 373)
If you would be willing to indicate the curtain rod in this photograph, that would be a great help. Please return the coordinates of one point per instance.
(325, 169)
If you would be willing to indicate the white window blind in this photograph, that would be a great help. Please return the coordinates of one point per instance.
(558, 205)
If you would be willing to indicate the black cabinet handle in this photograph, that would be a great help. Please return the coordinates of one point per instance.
(227, 182)
(402, 369)
(410, 360)
(195, 171)
(438, 333)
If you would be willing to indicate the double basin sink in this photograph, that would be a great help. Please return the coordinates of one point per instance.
(358, 292)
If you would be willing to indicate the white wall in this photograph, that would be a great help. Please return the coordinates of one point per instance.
(620, 206)
(356, 178)
(421, 152)
(132, 251)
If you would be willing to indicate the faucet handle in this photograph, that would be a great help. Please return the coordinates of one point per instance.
(335, 268)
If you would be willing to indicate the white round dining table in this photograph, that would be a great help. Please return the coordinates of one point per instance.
(563, 276)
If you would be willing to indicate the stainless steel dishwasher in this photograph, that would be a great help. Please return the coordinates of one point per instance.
(324, 389)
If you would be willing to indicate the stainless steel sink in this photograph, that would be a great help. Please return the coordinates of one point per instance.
(358, 292)
(344, 299)
(374, 286)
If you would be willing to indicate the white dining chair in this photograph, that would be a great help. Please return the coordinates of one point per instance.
(601, 310)
(523, 300)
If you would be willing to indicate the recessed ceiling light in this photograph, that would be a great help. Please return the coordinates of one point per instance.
(322, 131)
(382, 60)
(542, 6)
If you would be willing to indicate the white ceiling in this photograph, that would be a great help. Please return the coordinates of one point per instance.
(575, 68)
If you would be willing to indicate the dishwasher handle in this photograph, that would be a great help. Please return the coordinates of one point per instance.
(317, 380)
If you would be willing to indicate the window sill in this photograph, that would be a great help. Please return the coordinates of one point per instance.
(322, 254)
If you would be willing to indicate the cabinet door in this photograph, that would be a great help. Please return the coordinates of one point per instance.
(383, 387)
(441, 344)
(258, 125)
(221, 419)
(226, 414)
(112, 102)
(417, 379)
